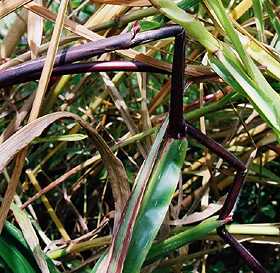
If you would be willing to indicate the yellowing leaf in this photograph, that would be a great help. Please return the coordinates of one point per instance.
(34, 31)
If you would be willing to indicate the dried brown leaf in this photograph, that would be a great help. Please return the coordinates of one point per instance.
(42, 86)
(49, 62)
(105, 13)
(199, 216)
(68, 24)
(8, 6)
(29, 132)
(17, 29)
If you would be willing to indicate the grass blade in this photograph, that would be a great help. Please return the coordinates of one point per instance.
(265, 103)
(161, 249)
(14, 259)
(31, 238)
(262, 95)
(258, 11)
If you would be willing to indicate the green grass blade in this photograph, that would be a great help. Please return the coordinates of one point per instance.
(272, 16)
(156, 201)
(258, 12)
(266, 91)
(70, 137)
(14, 259)
(264, 101)
(13, 236)
(161, 249)
(218, 9)
(260, 93)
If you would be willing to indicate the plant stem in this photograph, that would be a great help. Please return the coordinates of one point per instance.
(81, 52)
(77, 68)
(176, 128)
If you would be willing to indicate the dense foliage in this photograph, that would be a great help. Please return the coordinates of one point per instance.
(231, 94)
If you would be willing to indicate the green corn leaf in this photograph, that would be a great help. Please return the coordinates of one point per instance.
(158, 196)
(161, 249)
(121, 238)
(14, 259)
(13, 236)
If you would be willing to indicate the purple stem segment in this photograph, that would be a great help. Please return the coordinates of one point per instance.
(77, 68)
(91, 49)
(250, 260)
(176, 127)
(215, 147)
(232, 196)
(228, 157)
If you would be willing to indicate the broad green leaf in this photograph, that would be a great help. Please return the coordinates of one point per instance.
(157, 199)
(14, 259)
(121, 239)
(13, 236)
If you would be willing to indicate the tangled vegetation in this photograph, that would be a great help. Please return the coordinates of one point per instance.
(102, 167)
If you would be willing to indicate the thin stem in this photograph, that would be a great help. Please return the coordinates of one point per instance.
(250, 260)
(233, 194)
(214, 146)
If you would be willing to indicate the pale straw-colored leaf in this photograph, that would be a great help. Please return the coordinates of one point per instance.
(15, 32)
(34, 31)
(131, 3)
(8, 6)
(30, 237)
